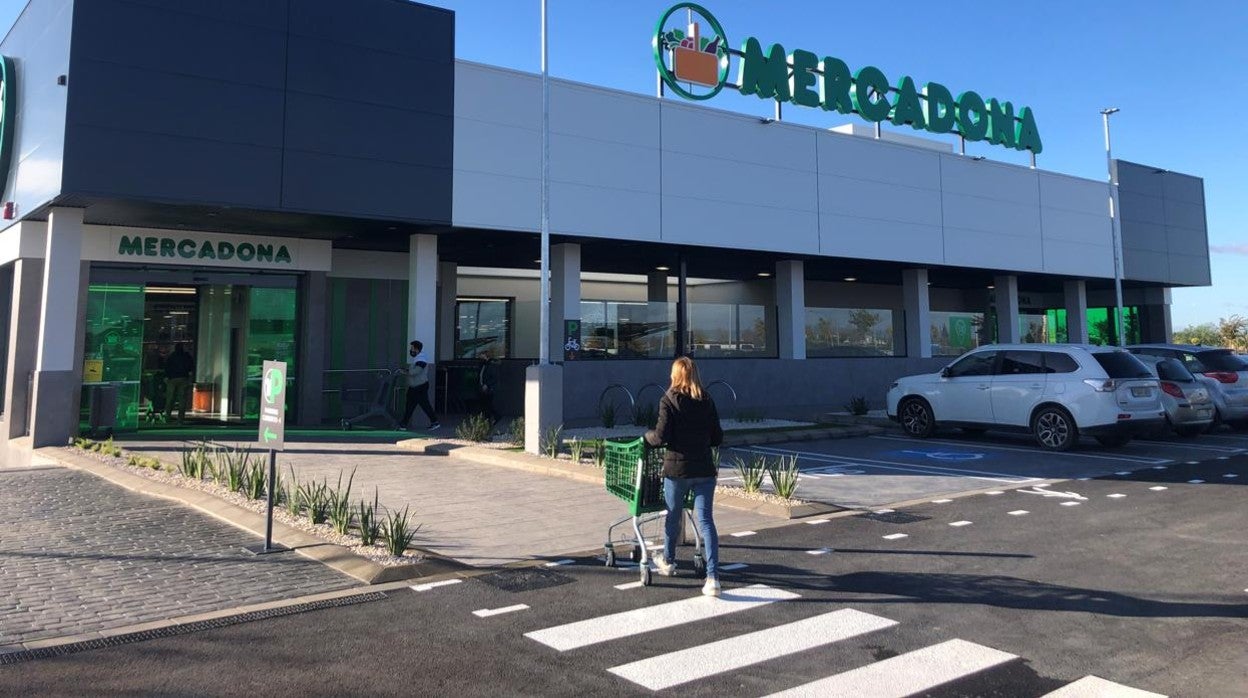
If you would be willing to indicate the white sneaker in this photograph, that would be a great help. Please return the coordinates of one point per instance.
(711, 588)
(667, 569)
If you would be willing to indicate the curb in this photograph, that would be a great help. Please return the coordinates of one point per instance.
(334, 556)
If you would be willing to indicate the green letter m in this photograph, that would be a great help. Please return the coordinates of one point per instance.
(765, 76)
(130, 246)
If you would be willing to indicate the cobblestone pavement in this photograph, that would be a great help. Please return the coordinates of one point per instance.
(78, 555)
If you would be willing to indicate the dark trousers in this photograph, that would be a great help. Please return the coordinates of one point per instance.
(487, 405)
(418, 395)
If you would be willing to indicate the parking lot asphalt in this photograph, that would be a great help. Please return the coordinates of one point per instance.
(891, 467)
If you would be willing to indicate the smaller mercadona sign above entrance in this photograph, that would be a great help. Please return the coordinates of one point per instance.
(200, 249)
(694, 60)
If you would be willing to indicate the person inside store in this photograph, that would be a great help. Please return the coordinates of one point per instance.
(489, 385)
(418, 386)
(179, 371)
(689, 427)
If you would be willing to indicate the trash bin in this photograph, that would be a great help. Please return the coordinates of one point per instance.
(102, 418)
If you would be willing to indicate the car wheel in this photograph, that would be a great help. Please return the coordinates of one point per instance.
(1189, 432)
(1116, 441)
(916, 418)
(1054, 429)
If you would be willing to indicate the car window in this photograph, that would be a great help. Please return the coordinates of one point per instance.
(1222, 360)
(1015, 363)
(1057, 362)
(1173, 370)
(1120, 364)
(1192, 363)
(977, 364)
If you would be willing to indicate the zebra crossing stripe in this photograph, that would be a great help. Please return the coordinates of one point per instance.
(1096, 687)
(906, 674)
(676, 668)
(667, 615)
(487, 612)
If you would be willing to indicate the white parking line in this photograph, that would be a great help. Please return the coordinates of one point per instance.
(1230, 475)
(825, 551)
(960, 523)
(560, 563)
(977, 445)
(1115, 496)
(631, 585)
(1158, 488)
(884, 511)
(1159, 467)
(743, 534)
(896, 536)
(854, 461)
(996, 492)
(1224, 457)
(1019, 512)
(1195, 482)
(816, 522)
(435, 585)
(734, 566)
(487, 612)
(1123, 472)
(941, 501)
(1070, 504)
(1193, 462)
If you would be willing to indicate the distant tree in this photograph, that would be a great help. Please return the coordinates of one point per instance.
(864, 321)
(1205, 333)
(1233, 332)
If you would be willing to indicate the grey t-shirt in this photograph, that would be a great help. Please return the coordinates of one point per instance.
(417, 375)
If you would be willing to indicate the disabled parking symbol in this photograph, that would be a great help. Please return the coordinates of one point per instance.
(947, 456)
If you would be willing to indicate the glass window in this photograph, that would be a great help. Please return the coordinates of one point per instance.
(954, 334)
(1173, 370)
(1222, 360)
(481, 325)
(1015, 363)
(1036, 329)
(271, 316)
(1103, 330)
(1056, 362)
(1192, 363)
(729, 330)
(849, 332)
(627, 330)
(979, 364)
(1120, 364)
(113, 348)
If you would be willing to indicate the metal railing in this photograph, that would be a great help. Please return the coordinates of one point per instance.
(731, 391)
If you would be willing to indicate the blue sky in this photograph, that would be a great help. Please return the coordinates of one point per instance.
(1174, 69)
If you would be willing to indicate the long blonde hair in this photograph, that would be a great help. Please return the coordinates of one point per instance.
(685, 378)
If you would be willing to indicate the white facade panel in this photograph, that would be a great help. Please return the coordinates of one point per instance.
(711, 179)
(1096, 261)
(868, 199)
(499, 149)
(870, 160)
(493, 201)
(991, 216)
(989, 180)
(867, 238)
(494, 95)
(1071, 194)
(577, 209)
(737, 138)
(595, 113)
(1071, 226)
(993, 250)
(742, 226)
(603, 164)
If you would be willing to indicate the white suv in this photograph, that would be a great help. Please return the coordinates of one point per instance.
(1055, 391)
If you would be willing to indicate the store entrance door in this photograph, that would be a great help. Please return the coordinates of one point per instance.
(160, 355)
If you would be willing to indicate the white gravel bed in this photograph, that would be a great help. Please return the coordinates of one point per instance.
(259, 506)
(768, 497)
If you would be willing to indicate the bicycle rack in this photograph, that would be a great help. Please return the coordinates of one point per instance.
(727, 385)
(632, 404)
(641, 391)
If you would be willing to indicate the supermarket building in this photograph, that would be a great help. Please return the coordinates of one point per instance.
(265, 179)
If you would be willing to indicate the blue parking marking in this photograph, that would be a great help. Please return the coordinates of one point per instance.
(941, 455)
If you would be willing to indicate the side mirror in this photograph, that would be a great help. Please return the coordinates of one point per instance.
(944, 372)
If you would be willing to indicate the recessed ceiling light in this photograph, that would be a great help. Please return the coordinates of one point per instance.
(764, 274)
(662, 268)
(991, 286)
(851, 278)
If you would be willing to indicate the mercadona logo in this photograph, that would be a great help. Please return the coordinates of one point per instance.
(690, 47)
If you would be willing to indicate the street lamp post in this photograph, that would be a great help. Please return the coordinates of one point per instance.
(1115, 227)
(544, 317)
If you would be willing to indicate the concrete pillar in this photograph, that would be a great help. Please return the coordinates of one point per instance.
(422, 299)
(1007, 308)
(310, 371)
(23, 332)
(54, 407)
(918, 315)
(1076, 293)
(565, 292)
(791, 308)
(448, 291)
(543, 404)
(658, 313)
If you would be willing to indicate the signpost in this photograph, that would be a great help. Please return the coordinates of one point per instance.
(272, 435)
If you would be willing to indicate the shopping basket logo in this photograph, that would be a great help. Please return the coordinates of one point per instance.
(686, 57)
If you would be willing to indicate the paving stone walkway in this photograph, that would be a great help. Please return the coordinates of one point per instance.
(80, 555)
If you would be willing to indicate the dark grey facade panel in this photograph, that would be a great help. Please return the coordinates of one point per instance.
(39, 44)
(1164, 230)
(176, 169)
(282, 105)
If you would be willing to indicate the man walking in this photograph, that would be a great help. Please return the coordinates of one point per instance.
(179, 368)
(418, 386)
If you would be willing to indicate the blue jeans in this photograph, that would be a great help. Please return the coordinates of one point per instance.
(674, 492)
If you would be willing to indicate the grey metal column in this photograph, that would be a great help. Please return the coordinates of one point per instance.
(310, 376)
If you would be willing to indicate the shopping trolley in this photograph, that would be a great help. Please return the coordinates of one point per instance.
(634, 474)
(382, 398)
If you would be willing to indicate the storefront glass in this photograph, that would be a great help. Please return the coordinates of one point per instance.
(731, 331)
(627, 330)
(270, 337)
(849, 332)
(113, 352)
(483, 325)
(954, 334)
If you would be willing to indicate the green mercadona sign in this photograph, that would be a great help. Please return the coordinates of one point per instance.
(695, 63)
(187, 248)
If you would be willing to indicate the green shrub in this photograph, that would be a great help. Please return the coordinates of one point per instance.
(645, 415)
(552, 439)
(195, 461)
(366, 515)
(233, 467)
(397, 532)
(784, 475)
(751, 470)
(290, 493)
(750, 415)
(340, 505)
(475, 427)
(253, 482)
(857, 405)
(576, 449)
(515, 432)
(606, 413)
(313, 500)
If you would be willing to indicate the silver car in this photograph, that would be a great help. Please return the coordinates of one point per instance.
(1222, 371)
(1189, 410)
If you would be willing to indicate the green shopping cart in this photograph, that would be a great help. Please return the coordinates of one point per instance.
(634, 474)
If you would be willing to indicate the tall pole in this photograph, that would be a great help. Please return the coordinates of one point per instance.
(544, 324)
(1115, 227)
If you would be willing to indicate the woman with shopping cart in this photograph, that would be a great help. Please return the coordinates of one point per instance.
(689, 427)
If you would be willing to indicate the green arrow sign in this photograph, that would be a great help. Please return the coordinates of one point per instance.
(272, 428)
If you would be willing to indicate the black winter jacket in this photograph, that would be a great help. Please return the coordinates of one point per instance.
(689, 428)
